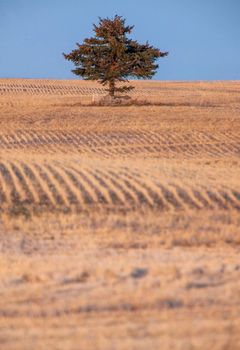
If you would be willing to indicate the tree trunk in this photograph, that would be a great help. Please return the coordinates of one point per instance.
(112, 88)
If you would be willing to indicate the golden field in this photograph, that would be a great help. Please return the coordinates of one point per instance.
(119, 226)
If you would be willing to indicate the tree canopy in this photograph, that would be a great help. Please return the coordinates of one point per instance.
(110, 56)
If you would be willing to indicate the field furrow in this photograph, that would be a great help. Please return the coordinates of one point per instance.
(120, 145)
(61, 161)
(96, 192)
(71, 186)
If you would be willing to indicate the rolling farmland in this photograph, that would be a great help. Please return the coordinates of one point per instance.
(119, 222)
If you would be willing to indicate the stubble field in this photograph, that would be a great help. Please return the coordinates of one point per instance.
(119, 226)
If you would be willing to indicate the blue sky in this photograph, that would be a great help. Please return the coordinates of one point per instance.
(202, 36)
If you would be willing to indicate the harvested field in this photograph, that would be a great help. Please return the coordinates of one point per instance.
(119, 226)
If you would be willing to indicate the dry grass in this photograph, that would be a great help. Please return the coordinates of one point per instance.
(119, 223)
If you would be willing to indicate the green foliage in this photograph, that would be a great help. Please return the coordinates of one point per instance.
(112, 57)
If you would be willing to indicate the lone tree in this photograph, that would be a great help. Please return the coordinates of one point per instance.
(111, 57)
